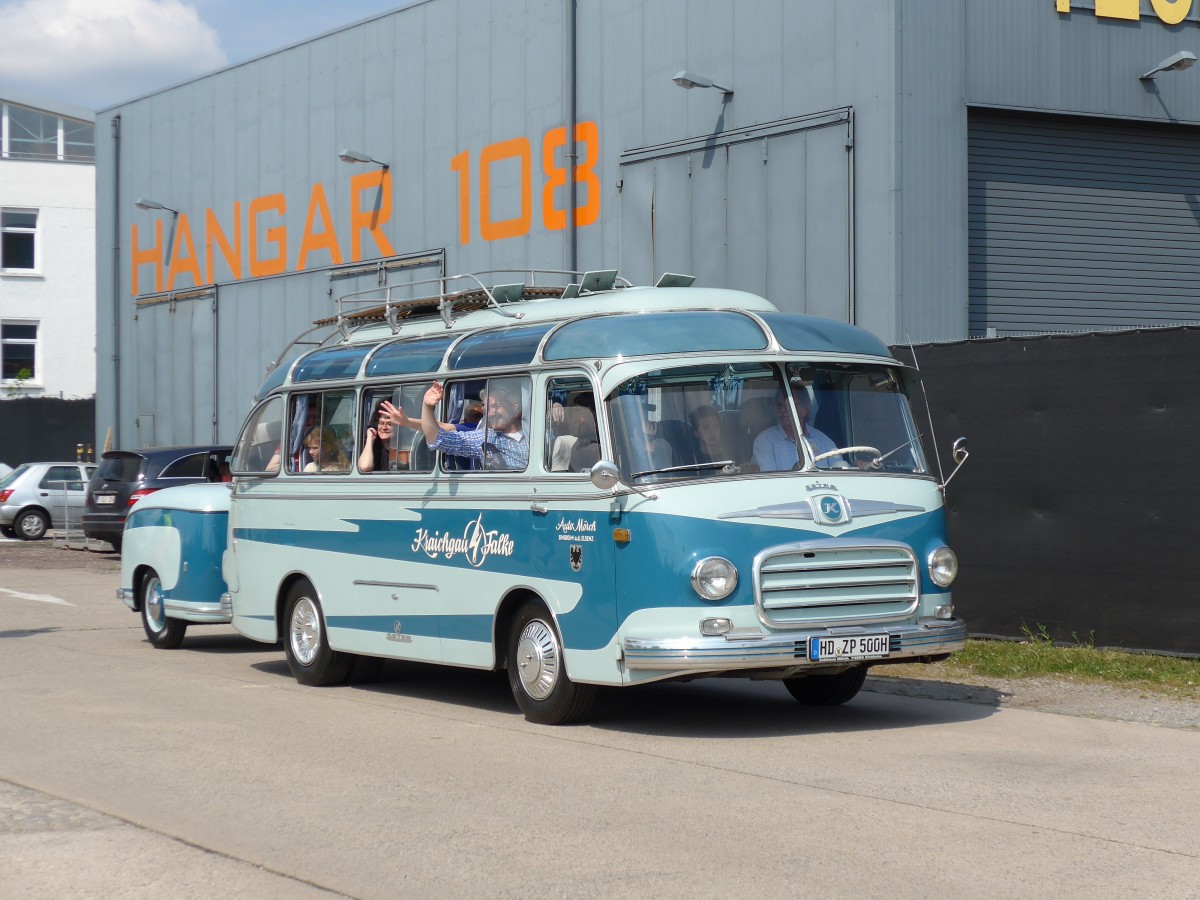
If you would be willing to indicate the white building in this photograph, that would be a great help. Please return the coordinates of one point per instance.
(47, 248)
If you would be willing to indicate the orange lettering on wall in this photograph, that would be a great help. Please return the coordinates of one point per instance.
(462, 165)
(1119, 9)
(183, 254)
(519, 224)
(1172, 12)
(278, 236)
(588, 134)
(326, 238)
(380, 211)
(152, 255)
(214, 235)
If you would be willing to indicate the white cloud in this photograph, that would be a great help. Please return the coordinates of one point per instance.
(98, 53)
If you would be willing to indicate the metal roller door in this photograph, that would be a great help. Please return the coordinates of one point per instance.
(1081, 224)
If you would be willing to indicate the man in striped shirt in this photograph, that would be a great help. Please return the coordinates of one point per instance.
(499, 441)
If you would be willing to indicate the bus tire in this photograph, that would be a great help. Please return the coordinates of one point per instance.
(163, 632)
(312, 661)
(537, 672)
(827, 690)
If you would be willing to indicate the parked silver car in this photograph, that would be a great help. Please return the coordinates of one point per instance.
(35, 497)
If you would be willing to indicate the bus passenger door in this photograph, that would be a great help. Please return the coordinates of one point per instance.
(573, 547)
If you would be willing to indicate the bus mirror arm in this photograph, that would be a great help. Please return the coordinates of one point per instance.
(607, 477)
(960, 452)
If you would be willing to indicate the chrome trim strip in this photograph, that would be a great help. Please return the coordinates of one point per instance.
(719, 654)
(195, 612)
(397, 584)
(802, 509)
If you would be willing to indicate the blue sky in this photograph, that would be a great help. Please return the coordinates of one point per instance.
(97, 53)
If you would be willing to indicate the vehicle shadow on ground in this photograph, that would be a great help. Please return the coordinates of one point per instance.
(705, 708)
(197, 641)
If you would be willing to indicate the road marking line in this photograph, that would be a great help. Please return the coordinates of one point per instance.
(41, 598)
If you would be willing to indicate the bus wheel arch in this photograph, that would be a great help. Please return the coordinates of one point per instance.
(310, 658)
(536, 664)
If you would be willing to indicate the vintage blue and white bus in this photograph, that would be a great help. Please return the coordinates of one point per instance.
(588, 483)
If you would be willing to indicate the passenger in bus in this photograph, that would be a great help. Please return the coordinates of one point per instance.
(327, 456)
(379, 453)
(706, 429)
(501, 444)
(775, 449)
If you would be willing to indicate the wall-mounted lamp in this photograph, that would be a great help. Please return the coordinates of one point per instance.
(353, 156)
(1176, 62)
(689, 80)
(143, 203)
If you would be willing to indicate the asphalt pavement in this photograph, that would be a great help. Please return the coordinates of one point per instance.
(207, 771)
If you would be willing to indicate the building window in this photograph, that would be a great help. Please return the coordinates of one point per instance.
(19, 351)
(33, 134)
(18, 240)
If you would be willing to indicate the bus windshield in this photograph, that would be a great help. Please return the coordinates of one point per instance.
(703, 421)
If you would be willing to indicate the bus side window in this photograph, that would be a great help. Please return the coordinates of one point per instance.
(571, 436)
(400, 448)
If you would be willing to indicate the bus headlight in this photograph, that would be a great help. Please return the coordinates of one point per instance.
(714, 578)
(943, 566)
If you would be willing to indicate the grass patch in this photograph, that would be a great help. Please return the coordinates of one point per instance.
(1037, 656)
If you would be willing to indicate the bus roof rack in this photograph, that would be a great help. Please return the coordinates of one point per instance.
(452, 295)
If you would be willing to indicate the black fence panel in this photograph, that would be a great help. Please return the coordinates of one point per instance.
(45, 429)
(1076, 511)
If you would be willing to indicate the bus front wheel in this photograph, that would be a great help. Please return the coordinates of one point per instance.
(537, 672)
(827, 690)
(312, 661)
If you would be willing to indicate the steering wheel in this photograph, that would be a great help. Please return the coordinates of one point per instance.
(874, 451)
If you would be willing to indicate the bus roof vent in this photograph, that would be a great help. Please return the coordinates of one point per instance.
(670, 279)
(600, 280)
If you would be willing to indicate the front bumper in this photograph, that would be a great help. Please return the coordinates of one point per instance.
(741, 649)
(217, 613)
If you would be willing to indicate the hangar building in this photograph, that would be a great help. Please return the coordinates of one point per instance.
(930, 169)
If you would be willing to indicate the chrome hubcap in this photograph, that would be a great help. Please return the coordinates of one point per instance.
(31, 526)
(538, 659)
(152, 600)
(305, 631)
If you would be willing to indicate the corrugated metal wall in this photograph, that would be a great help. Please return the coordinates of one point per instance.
(1080, 224)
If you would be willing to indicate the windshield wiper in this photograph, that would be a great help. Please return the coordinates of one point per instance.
(719, 464)
(880, 459)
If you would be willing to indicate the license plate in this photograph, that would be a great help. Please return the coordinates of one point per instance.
(857, 646)
(105, 499)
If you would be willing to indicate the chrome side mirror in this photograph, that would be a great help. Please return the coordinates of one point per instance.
(605, 475)
(960, 450)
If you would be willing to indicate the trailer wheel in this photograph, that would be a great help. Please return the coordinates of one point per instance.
(827, 690)
(163, 632)
(537, 672)
(312, 661)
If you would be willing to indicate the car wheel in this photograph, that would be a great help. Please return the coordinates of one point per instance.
(827, 690)
(164, 632)
(8, 531)
(312, 661)
(116, 544)
(537, 672)
(31, 525)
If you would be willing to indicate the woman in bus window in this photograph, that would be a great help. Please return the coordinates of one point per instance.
(379, 453)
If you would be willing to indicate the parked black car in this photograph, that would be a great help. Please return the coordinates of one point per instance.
(123, 477)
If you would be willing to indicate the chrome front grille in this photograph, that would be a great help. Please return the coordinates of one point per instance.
(836, 581)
